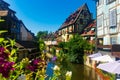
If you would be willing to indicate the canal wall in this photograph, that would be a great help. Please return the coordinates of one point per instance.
(102, 75)
(89, 62)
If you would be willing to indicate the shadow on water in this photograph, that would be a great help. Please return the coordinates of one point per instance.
(79, 72)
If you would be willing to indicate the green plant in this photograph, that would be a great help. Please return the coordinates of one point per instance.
(26, 69)
(75, 48)
(42, 45)
(53, 51)
(7, 57)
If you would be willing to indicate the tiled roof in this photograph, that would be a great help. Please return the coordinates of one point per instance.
(1, 1)
(73, 17)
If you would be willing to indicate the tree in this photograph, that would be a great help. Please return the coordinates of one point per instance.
(53, 51)
(41, 34)
(63, 46)
(41, 45)
(75, 48)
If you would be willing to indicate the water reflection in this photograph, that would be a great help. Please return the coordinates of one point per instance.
(49, 70)
(79, 72)
(82, 72)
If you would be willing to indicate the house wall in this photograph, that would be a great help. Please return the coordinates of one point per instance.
(29, 36)
(66, 33)
(110, 35)
(82, 21)
(23, 33)
(75, 25)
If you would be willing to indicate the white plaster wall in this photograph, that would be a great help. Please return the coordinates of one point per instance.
(105, 30)
(118, 36)
(106, 40)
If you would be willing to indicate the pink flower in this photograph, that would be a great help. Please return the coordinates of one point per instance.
(3, 54)
(6, 67)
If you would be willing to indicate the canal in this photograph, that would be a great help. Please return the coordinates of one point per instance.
(82, 72)
(79, 72)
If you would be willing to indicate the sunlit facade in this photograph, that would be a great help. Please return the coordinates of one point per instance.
(74, 24)
(108, 22)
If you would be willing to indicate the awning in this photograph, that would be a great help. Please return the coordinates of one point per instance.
(95, 55)
(104, 58)
(111, 67)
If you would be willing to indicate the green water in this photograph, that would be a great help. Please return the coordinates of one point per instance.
(79, 72)
(82, 72)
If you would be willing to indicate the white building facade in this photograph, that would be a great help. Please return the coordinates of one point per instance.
(108, 22)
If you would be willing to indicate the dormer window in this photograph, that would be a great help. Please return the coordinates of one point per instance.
(93, 29)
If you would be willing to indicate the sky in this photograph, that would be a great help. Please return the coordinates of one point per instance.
(46, 15)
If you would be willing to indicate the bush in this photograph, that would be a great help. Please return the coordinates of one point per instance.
(75, 48)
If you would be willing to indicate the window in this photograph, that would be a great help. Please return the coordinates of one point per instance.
(113, 40)
(109, 1)
(113, 18)
(93, 29)
(99, 2)
(100, 41)
(113, 30)
(67, 37)
(12, 14)
(99, 21)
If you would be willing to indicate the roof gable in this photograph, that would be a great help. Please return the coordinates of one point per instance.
(1, 1)
(73, 17)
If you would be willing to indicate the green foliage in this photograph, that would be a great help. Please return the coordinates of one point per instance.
(26, 69)
(41, 45)
(75, 48)
(2, 20)
(41, 34)
(76, 51)
(3, 31)
(53, 51)
(1, 40)
(62, 45)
